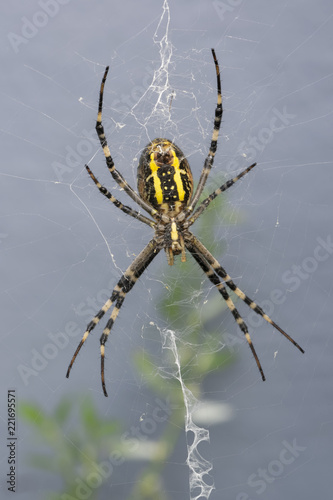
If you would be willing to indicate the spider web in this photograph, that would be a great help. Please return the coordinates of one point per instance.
(65, 247)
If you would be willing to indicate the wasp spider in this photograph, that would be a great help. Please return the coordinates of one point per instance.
(165, 186)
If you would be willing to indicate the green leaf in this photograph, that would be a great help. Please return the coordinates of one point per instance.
(63, 410)
(32, 414)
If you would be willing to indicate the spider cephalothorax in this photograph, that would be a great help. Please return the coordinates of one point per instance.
(165, 186)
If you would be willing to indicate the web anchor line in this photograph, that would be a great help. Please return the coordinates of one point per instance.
(199, 467)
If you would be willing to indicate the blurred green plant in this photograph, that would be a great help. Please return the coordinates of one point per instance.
(76, 437)
(78, 443)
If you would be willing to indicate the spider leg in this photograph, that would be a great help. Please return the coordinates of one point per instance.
(198, 247)
(202, 207)
(124, 285)
(109, 161)
(127, 210)
(213, 145)
(222, 290)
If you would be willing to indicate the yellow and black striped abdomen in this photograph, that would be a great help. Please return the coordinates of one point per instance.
(164, 177)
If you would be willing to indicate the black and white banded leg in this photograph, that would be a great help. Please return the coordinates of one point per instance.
(124, 208)
(205, 203)
(109, 161)
(222, 290)
(213, 144)
(124, 285)
(214, 271)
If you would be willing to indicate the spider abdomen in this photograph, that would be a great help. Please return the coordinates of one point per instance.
(164, 177)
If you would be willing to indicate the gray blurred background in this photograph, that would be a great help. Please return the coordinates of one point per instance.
(62, 245)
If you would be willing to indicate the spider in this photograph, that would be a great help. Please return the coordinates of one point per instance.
(165, 192)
